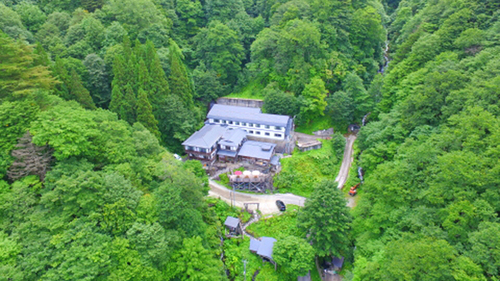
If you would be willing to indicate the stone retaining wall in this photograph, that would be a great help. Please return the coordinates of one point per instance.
(240, 102)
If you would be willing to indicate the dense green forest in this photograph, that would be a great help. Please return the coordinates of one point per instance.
(430, 206)
(96, 94)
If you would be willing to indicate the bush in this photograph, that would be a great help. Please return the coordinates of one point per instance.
(224, 179)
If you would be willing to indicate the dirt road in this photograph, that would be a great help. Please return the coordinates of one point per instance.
(267, 202)
(346, 162)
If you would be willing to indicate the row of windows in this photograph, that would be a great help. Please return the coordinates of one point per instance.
(246, 124)
(204, 150)
(265, 133)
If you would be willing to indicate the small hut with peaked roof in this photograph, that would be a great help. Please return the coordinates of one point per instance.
(233, 225)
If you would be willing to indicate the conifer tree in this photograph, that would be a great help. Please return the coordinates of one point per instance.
(41, 57)
(61, 73)
(78, 92)
(145, 113)
(159, 88)
(127, 106)
(179, 80)
(119, 72)
(143, 78)
(116, 100)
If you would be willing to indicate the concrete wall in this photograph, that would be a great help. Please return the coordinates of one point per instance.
(282, 146)
(240, 102)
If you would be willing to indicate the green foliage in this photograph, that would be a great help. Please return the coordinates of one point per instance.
(279, 227)
(326, 220)
(194, 262)
(301, 172)
(219, 48)
(279, 102)
(19, 77)
(178, 79)
(294, 255)
(314, 103)
(224, 178)
(145, 113)
(428, 196)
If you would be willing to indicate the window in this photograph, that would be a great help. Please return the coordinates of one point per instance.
(257, 125)
(216, 120)
(250, 125)
(277, 127)
(257, 132)
(267, 127)
(230, 122)
(251, 132)
(267, 134)
(277, 135)
(243, 124)
(236, 123)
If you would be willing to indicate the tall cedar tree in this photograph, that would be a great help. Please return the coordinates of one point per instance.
(145, 113)
(61, 73)
(143, 79)
(78, 92)
(179, 80)
(118, 84)
(127, 107)
(116, 100)
(159, 88)
(71, 86)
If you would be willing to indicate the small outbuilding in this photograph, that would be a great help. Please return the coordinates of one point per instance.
(309, 145)
(337, 263)
(263, 248)
(233, 225)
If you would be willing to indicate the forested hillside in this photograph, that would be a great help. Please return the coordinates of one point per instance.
(92, 92)
(430, 206)
(95, 95)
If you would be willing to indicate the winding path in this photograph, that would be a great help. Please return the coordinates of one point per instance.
(346, 162)
(267, 203)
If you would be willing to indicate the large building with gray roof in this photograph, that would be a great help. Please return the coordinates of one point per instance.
(226, 130)
(252, 120)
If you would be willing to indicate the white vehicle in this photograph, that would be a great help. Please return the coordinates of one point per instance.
(176, 156)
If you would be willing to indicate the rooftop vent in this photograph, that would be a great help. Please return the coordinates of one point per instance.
(266, 147)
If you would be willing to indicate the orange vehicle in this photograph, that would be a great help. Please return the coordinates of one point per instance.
(353, 190)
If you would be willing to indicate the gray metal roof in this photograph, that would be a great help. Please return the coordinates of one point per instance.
(338, 262)
(206, 137)
(232, 222)
(247, 115)
(233, 137)
(228, 153)
(266, 247)
(254, 245)
(257, 149)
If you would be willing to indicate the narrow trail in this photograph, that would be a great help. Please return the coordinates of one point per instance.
(255, 218)
(346, 161)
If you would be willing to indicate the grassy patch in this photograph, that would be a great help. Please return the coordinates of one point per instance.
(303, 170)
(324, 122)
(277, 226)
(251, 91)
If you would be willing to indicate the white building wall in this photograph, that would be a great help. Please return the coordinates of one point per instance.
(261, 128)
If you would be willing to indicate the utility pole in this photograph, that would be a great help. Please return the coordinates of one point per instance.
(244, 270)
